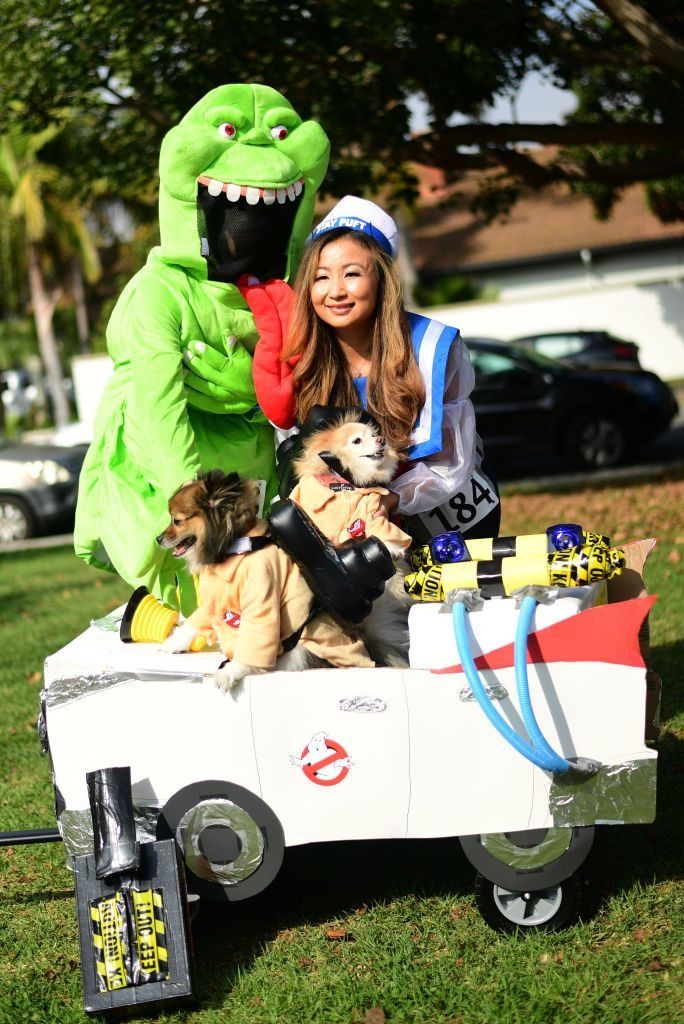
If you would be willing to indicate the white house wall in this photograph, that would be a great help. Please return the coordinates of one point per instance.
(637, 296)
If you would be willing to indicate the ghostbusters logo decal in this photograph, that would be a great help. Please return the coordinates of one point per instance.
(324, 761)
(357, 529)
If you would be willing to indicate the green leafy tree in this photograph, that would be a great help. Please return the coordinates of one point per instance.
(40, 201)
(356, 65)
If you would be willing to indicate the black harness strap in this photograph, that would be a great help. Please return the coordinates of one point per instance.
(291, 641)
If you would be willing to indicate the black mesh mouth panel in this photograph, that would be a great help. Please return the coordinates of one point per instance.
(238, 238)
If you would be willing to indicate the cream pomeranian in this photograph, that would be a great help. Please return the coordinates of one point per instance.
(343, 471)
(253, 598)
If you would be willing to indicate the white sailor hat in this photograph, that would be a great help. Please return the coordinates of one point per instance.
(356, 214)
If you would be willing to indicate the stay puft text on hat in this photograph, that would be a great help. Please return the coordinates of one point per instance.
(356, 214)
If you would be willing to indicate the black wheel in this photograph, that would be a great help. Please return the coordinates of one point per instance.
(16, 519)
(543, 910)
(230, 840)
(534, 859)
(595, 439)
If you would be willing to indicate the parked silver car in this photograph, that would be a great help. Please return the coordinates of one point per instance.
(38, 488)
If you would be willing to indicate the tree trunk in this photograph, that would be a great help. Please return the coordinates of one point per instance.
(80, 307)
(660, 44)
(43, 310)
(407, 271)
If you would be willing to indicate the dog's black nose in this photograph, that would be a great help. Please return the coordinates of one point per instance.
(160, 538)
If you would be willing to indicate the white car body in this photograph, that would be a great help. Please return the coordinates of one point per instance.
(340, 754)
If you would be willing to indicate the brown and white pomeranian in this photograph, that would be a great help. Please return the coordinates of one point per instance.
(352, 461)
(214, 518)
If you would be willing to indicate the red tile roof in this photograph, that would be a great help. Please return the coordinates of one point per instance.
(547, 223)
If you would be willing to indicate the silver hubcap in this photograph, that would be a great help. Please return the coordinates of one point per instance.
(528, 909)
(600, 442)
(13, 525)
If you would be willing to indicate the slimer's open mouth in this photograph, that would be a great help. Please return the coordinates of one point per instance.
(245, 229)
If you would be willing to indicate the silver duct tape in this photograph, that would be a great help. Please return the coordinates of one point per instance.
(223, 813)
(42, 724)
(367, 705)
(495, 691)
(146, 818)
(68, 688)
(76, 828)
(619, 794)
(553, 845)
(109, 623)
(472, 599)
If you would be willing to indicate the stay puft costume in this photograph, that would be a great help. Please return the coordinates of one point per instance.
(443, 485)
(238, 180)
(254, 600)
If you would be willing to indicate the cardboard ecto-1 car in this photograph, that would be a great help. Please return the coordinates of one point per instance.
(343, 754)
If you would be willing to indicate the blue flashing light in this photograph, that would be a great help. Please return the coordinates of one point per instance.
(449, 547)
(564, 536)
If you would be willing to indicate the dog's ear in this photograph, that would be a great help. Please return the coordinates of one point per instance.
(231, 507)
(246, 508)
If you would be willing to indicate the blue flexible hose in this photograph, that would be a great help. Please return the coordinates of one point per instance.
(527, 610)
(476, 685)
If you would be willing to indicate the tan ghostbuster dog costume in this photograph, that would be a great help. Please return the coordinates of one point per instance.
(342, 511)
(251, 602)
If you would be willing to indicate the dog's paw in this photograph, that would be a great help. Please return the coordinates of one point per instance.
(229, 676)
(179, 639)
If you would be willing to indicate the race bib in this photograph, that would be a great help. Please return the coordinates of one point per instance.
(464, 509)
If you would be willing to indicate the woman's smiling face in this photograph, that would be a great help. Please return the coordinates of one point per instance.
(344, 293)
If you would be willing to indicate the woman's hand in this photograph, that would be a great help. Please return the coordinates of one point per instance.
(388, 504)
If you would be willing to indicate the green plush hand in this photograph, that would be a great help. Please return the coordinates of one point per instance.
(219, 383)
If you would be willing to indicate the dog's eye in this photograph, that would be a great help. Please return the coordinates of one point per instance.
(177, 522)
(356, 440)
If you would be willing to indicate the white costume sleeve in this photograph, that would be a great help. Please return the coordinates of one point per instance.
(433, 480)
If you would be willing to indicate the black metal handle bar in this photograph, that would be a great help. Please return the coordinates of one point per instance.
(31, 835)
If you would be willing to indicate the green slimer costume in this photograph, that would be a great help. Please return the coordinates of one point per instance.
(238, 180)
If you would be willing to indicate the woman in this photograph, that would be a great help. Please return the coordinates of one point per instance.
(350, 342)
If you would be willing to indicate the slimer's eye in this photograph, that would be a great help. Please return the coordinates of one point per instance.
(227, 131)
(280, 132)
(356, 440)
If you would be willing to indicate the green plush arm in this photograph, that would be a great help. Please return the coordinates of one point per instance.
(158, 433)
(219, 383)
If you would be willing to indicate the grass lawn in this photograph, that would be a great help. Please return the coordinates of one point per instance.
(416, 949)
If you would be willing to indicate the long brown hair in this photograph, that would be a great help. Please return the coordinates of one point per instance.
(395, 390)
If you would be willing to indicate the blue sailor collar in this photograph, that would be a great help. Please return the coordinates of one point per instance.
(432, 343)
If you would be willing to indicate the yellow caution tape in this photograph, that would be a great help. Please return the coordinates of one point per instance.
(499, 577)
(110, 942)
(150, 934)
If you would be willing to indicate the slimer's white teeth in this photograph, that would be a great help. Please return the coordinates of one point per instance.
(252, 193)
